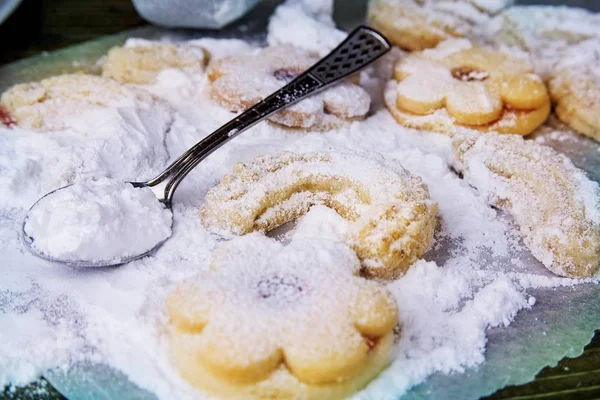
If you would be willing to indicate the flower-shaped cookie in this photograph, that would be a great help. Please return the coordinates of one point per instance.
(458, 84)
(281, 322)
(140, 61)
(239, 82)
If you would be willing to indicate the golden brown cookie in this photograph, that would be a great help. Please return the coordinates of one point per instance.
(239, 82)
(461, 85)
(423, 24)
(555, 205)
(46, 105)
(392, 217)
(575, 89)
(143, 60)
(291, 322)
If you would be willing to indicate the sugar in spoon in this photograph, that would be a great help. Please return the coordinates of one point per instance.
(362, 46)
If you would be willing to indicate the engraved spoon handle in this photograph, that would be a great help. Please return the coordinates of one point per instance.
(362, 46)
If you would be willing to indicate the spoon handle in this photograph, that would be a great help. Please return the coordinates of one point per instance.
(362, 46)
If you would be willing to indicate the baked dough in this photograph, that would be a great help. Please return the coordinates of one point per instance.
(392, 217)
(575, 89)
(142, 60)
(458, 84)
(555, 205)
(422, 24)
(46, 105)
(239, 82)
(269, 321)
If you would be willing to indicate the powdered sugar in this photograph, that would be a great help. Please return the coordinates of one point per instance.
(102, 220)
(116, 316)
(303, 23)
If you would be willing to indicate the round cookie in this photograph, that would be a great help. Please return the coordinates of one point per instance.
(422, 24)
(392, 218)
(575, 89)
(461, 85)
(269, 321)
(46, 105)
(555, 205)
(140, 61)
(239, 82)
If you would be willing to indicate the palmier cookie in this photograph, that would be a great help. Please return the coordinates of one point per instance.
(575, 89)
(392, 217)
(275, 322)
(47, 105)
(140, 61)
(458, 84)
(555, 205)
(422, 24)
(239, 82)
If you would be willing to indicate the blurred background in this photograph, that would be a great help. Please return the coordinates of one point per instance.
(45, 25)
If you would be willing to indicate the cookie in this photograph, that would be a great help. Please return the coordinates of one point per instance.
(458, 84)
(555, 205)
(239, 82)
(422, 24)
(140, 61)
(544, 32)
(47, 105)
(269, 321)
(575, 89)
(392, 217)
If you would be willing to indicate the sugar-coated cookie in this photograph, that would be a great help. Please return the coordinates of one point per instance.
(239, 82)
(555, 205)
(392, 217)
(423, 24)
(542, 31)
(575, 88)
(140, 61)
(459, 84)
(46, 105)
(275, 322)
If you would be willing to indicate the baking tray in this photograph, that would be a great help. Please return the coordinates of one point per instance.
(561, 324)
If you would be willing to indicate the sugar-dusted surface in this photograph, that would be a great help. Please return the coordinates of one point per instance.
(115, 310)
(258, 315)
(240, 81)
(555, 205)
(392, 218)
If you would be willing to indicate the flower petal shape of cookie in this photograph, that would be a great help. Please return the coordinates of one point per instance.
(269, 321)
(239, 82)
(422, 24)
(555, 205)
(575, 89)
(140, 61)
(46, 105)
(392, 218)
(458, 84)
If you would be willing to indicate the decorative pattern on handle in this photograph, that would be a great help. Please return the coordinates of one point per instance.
(361, 47)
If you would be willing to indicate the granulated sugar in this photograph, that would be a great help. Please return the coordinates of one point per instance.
(56, 316)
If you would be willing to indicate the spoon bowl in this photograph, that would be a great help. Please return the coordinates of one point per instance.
(28, 241)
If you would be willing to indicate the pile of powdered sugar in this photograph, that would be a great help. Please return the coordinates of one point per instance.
(471, 280)
(103, 220)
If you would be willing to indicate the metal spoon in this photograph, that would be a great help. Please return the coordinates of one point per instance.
(362, 46)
